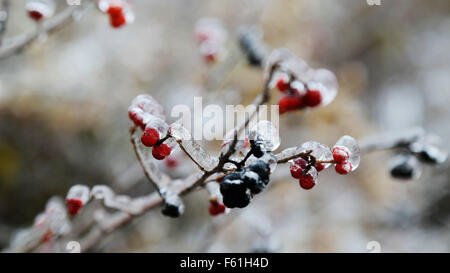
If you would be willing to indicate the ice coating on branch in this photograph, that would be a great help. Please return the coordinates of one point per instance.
(174, 206)
(352, 145)
(267, 133)
(192, 147)
(38, 9)
(428, 149)
(320, 151)
(149, 105)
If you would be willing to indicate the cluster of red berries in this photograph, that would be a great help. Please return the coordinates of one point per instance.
(341, 157)
(301, 170)
(210, 36)
(296, 95)
(148, 114)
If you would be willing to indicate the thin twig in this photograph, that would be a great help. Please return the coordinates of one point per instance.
(15, 44)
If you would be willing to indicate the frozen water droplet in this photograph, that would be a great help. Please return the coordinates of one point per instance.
(325, 81)
(268, 133)
(320, 151)
(158, 124)
(352, 145)
(149, 105)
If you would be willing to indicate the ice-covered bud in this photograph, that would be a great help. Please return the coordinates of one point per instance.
(76, 198)
(349, 145)
(265, 135)
(405, 167)
(173, 205)
(40, 9)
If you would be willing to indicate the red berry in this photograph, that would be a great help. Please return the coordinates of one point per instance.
(216, 208)
(35, 15)
(117, 20)
(74, 206)
(150, 137)
(171, 162)
(136, 118)
(115, 10)
(307, 181)
(313, 98)
(290, 103)
(210, 58)
(297, 167)
(340, 154)
(296, 171)
(283, 83)
(343, 168)
(301, 162)
(161, 151)
(320, 167)
(47, 236)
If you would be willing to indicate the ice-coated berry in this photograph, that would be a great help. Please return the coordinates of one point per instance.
(262, 169)
(405, 166)
(234, 191)
(320, 167)
(171, 210)
(159, 152)
(257, 148)
(343, 167)
(352, 148)
(216, 208)
(283, 82)
(307, 181)
(74, 206)
(340, 154)
(35, 15)
(297, 167)
(253, 182)
(313, 98)
(150, 137)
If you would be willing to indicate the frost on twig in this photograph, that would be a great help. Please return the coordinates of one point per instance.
(51, 223)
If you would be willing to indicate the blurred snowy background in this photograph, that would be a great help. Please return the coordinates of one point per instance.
(63, 120)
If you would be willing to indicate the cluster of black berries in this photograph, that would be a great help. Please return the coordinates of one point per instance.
(407, 165)
(237, 188)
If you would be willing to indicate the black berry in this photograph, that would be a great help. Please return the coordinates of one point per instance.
(171, 210)
(253, 181)
(262, 169)
(234, 191)
(256, 148)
